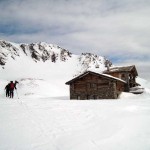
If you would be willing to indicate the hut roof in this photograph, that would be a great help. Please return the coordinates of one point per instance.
(106, 76)
(122, 69)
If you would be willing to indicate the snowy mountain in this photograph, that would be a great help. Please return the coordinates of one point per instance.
(47, 53)
(37, 51)
(43, 62)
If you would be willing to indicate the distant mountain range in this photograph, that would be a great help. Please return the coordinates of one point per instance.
(44, 52)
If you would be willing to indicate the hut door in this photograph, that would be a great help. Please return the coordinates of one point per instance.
(78, 97)
(94, 96)
(88, 96)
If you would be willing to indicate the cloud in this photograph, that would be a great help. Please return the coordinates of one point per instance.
(116, 29)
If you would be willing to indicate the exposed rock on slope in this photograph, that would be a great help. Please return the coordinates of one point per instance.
(37, 51)
(42, 52)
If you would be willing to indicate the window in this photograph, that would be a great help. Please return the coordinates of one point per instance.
(93, 85)
(123, 76)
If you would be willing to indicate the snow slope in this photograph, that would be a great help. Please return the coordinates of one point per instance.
(36, 70)
(48, 124)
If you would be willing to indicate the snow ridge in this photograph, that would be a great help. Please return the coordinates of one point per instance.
(42, 51)
(37, 51)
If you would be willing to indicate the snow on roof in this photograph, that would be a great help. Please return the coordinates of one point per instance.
(100, 74)
(122, 69)
(114, 78)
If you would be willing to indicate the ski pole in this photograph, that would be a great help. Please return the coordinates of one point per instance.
(17, 93)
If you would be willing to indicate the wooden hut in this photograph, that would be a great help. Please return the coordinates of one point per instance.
(91, 85)
(127, 73)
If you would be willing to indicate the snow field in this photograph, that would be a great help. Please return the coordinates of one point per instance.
(43, 118)
(37, 124)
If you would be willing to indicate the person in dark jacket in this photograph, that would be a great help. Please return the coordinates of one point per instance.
(7, 88)
(12, 87)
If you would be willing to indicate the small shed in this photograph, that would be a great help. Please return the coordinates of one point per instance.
(91, 85)
(126, 73)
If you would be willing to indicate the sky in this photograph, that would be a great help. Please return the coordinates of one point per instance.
(117, 29)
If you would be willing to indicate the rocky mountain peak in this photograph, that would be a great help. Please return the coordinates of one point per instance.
(43, 51)
(37, 51)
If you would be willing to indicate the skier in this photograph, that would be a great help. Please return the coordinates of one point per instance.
(7, 88)
(12, 87)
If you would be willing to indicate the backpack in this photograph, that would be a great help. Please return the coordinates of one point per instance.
(12, 85)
